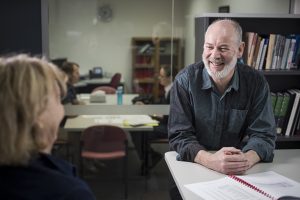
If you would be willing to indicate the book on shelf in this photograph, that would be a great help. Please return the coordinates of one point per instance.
(271, 44)
(264, 185)
(295, 96)
(289, 63)
(285, 53)
(280, 53)
(263, 54)
(252, 48)
(248, 42)
(275, 52)
(297, 131)
(143, 49)
(259, 54)
(282, 115)
(296, 52)
(297, 115)
(279, 98)
(256, 50)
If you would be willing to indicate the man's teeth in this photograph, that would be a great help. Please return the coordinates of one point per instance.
(216, 63)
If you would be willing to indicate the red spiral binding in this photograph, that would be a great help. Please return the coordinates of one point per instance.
(251, 186)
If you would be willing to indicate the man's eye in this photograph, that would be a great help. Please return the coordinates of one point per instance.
(209, 47)
(224, 49)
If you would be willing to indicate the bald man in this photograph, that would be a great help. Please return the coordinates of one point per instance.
(223, 106)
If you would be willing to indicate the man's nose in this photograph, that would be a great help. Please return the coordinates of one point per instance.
(215, 53)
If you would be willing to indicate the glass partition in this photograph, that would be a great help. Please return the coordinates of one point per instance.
(135, 38)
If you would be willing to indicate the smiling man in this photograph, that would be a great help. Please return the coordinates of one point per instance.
(223, 106)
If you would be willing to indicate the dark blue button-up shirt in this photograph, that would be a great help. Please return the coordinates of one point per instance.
(201, 118)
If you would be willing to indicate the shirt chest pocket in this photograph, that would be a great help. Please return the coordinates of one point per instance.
(236, 120)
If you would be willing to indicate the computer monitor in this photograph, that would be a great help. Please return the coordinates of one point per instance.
(96, 72)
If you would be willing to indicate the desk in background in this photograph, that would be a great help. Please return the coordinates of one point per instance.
(79, 123)
(87, 86)
(286, 162)
(111, 99)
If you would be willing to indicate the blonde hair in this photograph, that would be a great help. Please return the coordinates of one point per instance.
(25, 84)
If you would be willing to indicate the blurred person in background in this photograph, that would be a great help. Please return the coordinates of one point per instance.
(160, 131)
(72, 71)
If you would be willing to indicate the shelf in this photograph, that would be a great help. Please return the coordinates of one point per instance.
(148, 56)
(143, 66)
(144, 80)
(281, 138)
(290, 72)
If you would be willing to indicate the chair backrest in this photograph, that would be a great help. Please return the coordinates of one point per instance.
(106, 89)
(104, 138)
(115, 80)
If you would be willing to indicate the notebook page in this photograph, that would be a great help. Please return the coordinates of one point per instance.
(226, 189)
(273, 183)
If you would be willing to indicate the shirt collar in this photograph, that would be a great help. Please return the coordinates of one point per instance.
(168, 88)
(234, 83)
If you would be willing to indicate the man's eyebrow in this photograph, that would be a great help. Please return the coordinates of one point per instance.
(224, 45)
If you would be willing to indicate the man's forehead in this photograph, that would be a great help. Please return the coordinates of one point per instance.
(220, 29)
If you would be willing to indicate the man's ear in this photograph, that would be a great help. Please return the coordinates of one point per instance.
(241, 49)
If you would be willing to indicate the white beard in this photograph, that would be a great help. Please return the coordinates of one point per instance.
(220, 74)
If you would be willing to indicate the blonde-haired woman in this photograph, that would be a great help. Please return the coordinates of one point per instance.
(31, 111)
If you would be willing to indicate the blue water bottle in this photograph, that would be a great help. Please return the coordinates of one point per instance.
(120, 95)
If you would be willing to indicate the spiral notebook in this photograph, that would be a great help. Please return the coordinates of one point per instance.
(265, 185)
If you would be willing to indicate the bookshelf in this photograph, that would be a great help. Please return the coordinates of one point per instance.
(148, 55)
(264, 24)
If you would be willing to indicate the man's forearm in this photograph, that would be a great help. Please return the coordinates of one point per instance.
(202, 157)
(252, 157)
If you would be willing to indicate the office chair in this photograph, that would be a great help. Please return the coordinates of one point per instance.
(105, 142)
(115, 80)
(106, 89)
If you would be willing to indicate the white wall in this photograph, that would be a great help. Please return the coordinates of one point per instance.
(76, 33)
(194, 8)
(296, 6)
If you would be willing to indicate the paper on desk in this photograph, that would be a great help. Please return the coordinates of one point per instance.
(139, 120)
(109, 119)
(229, 189)
(126, 120)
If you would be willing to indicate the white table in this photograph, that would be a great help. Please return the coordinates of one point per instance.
(81, 122)
(286, 162)
(104, 80)
(111, 99)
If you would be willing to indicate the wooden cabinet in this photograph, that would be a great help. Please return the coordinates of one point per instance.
(279, 80)
(148, 55)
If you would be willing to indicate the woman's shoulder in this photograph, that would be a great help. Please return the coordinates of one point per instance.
(41, 179)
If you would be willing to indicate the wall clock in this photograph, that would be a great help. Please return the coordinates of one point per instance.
(105, 13)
